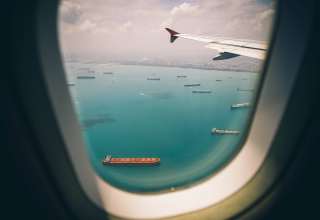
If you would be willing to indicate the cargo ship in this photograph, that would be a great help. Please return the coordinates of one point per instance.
(86, 77)
(240, 105)
(245, 90)
(224, 131)
(191, 85)
(109, 160)
(201, 91)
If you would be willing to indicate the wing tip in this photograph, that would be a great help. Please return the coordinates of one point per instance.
(173, 34)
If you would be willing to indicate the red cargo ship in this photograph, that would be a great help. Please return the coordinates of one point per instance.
(109, 160)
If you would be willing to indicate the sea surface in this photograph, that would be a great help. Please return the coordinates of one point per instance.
(125, 115)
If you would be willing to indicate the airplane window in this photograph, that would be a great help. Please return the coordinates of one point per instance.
(164, 90)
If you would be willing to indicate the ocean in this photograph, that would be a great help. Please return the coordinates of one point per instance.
(125, 115)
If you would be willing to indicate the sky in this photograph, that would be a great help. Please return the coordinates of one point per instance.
(134, 29)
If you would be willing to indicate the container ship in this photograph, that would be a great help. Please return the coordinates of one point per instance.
(86, 77)
(240, 105)
(245, 90)
(224, 131)
(191, 85)
(201, 91)
(109, 160)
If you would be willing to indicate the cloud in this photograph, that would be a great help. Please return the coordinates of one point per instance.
(184, 8)
(87, 25)
(126, 26)
(267, 14)
(70, 12)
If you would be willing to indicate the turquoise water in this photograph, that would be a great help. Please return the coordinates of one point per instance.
(126, 115)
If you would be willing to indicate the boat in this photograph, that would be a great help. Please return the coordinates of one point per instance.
(84, 68)
(86, 77)
(201, 91)
(108, 73)
(109, 160)
(153, 78)
(224, 131)
(240, 105)
(71, 84)
(191, 85)
(245, 90)
(218, 80)
(181, 76)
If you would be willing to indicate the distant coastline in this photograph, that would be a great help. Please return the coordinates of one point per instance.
(185, 66)
(189, 66)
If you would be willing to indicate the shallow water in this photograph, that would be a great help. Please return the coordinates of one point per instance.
(126, 115)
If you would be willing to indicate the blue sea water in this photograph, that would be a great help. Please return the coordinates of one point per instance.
(126, 115)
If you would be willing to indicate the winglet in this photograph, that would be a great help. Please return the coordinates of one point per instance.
(225, 56)
(173, 34)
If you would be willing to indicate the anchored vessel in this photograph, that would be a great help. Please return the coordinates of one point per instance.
(245, 90)
(153, 78)
(86, 77)
(108, 73)
(181, 76)
(240, 105)
(191, 85)
(71, 84)
(109, 160)
(224, 131)
(201, 91)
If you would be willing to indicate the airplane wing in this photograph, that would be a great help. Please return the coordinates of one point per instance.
(227, 48)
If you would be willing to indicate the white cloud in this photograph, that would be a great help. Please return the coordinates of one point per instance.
(87, 25)
(184, 8)
(126, 26)
(267, 14)
(70, 12)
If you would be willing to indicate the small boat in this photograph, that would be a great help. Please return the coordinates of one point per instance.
(86, 77)
(224, 131)
(201, 91)
(245, 90)
(108, 73)
(153, 78)
(181, 76)
(71, 84)
(109, 160)
(218, 80)
(240, 105)
(191, 85)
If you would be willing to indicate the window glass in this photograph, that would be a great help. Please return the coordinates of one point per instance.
(164, 80)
